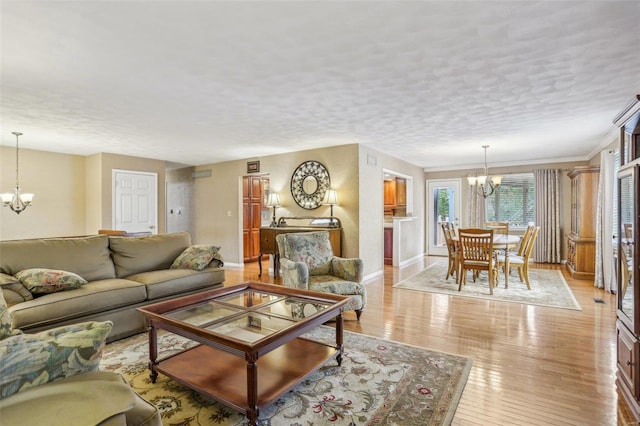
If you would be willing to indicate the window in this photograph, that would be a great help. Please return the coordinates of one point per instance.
(513, 201)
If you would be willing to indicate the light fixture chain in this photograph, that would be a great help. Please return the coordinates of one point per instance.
(17, 160)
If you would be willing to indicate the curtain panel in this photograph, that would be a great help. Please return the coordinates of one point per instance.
(476, 208)
(604, 275)
(549, 245)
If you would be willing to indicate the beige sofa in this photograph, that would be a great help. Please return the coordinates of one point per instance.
(123, 273)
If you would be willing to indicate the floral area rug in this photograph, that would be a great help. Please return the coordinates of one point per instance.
(380, 382)
(548, 287)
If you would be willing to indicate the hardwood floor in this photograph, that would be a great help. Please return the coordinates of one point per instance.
(531, 365)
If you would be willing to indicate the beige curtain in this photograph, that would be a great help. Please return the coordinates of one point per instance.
(605, 275)
(549, 245)
(476, 208)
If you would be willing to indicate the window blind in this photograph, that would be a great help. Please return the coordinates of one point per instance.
(513, 201)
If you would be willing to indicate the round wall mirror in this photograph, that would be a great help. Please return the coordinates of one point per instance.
(309, 183)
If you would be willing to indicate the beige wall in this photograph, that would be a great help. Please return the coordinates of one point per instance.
(72, 192)
(371, 193)
(110, 162)
(218, 199)
(58, 182)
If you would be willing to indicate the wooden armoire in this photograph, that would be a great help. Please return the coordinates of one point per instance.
(628, 257)
(253, 202)
(581, 257)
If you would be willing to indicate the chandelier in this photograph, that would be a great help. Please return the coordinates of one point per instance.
(486, 184)
(17, 201)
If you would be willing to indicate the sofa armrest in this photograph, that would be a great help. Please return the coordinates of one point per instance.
(14, 291)
(30, 360)
(294, 274)
(351, 269)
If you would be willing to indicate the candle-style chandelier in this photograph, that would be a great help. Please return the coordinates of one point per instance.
(486, 184)
(17, 201)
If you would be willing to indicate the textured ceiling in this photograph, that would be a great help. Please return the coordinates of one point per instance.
(429, 82)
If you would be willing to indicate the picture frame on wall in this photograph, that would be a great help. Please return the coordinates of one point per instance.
(253, 166)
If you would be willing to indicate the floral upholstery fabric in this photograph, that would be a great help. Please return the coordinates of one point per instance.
(34, 359)
(294, 274)
(307, 263)
(6, 327)
(311, 248)
(45, 281)
(195, 257)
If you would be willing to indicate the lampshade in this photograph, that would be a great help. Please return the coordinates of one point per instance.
(331, 198)
(273, 200)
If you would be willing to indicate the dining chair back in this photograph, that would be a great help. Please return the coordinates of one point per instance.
(452, 249)
(498, 227)
(521, 261)
(525, 240)
(476, 254)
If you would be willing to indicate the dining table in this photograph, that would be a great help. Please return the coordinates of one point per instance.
(501, 241)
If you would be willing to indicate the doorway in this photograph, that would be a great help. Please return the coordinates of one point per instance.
(255, 190)
(135, 201)
(443, 205)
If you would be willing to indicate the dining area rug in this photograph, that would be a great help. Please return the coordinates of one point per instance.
(380, 382)
(548, 287)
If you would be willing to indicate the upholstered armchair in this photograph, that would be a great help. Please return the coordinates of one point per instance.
(307, 263)
(52, 378)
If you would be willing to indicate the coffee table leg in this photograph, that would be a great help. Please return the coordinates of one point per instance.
(260, 264)
(339, 342)
(153, 352)
(252, 390)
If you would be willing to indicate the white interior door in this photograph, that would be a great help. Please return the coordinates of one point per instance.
(444, 205)
(135, 201)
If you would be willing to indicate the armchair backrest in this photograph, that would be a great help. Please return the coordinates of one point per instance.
(312, 248)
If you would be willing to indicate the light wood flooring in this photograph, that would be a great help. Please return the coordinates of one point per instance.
(531, 365)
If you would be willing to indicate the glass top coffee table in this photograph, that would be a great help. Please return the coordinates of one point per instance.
(251, 346)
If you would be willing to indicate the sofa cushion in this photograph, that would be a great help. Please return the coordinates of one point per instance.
(132, 255)
(195, 257)
(88, 257)
(91, 298)
(44, 281)
(176, 281)
(33, 359)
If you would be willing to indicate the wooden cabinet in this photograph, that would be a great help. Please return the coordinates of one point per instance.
(389, 193)
(395, 192)
(388, 246)
(253, 200)
(628, 290)
(581, 242)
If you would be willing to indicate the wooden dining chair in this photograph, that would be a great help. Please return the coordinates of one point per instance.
(521, 261)
(452, 249)
(523, 241)
(476, 254)
(498, 227)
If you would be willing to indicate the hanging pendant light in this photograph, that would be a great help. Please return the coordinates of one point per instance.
(486, 184)
(17, 201)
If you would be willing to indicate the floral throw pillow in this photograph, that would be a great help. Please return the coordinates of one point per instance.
(195, 257)
(34, 359)
(44, 281)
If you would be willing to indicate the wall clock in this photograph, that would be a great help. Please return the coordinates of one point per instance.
(309, 183)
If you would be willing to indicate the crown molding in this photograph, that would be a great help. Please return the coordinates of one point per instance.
(627, 112)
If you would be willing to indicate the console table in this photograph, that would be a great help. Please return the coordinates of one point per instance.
(268, 235)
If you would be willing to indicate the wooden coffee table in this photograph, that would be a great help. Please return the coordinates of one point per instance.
(251, 351)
